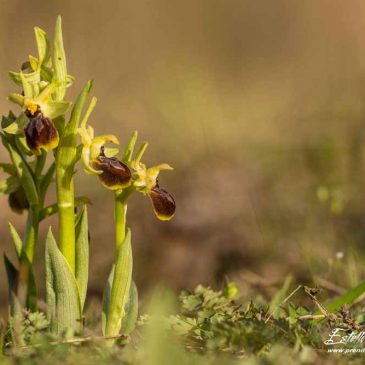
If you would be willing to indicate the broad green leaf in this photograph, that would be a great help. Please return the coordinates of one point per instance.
(131, 309)
(82, 254)
(18, 126)
(128, 152)
(59, 61)
(42, 45)
(62, 294)
(120, 289)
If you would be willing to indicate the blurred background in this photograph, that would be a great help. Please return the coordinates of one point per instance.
(259, 106)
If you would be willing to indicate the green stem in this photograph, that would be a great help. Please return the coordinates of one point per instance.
(66, 216)
(30, 239)
(66, 158)
(120, 215)
(32, 227)
(41, 160)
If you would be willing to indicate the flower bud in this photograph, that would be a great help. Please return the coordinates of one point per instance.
(115, 174)
(18, 201)
(163, 203)
(40, 133)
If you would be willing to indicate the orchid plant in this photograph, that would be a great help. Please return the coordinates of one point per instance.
(45, 142)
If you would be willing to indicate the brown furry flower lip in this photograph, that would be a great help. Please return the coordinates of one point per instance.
(163, 203)
(40, 132)
(115, 174)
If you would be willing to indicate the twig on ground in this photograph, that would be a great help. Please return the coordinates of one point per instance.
(282, 302)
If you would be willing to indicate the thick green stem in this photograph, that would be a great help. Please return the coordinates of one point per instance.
(120, 215)
(66, 158)
(66, 216)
